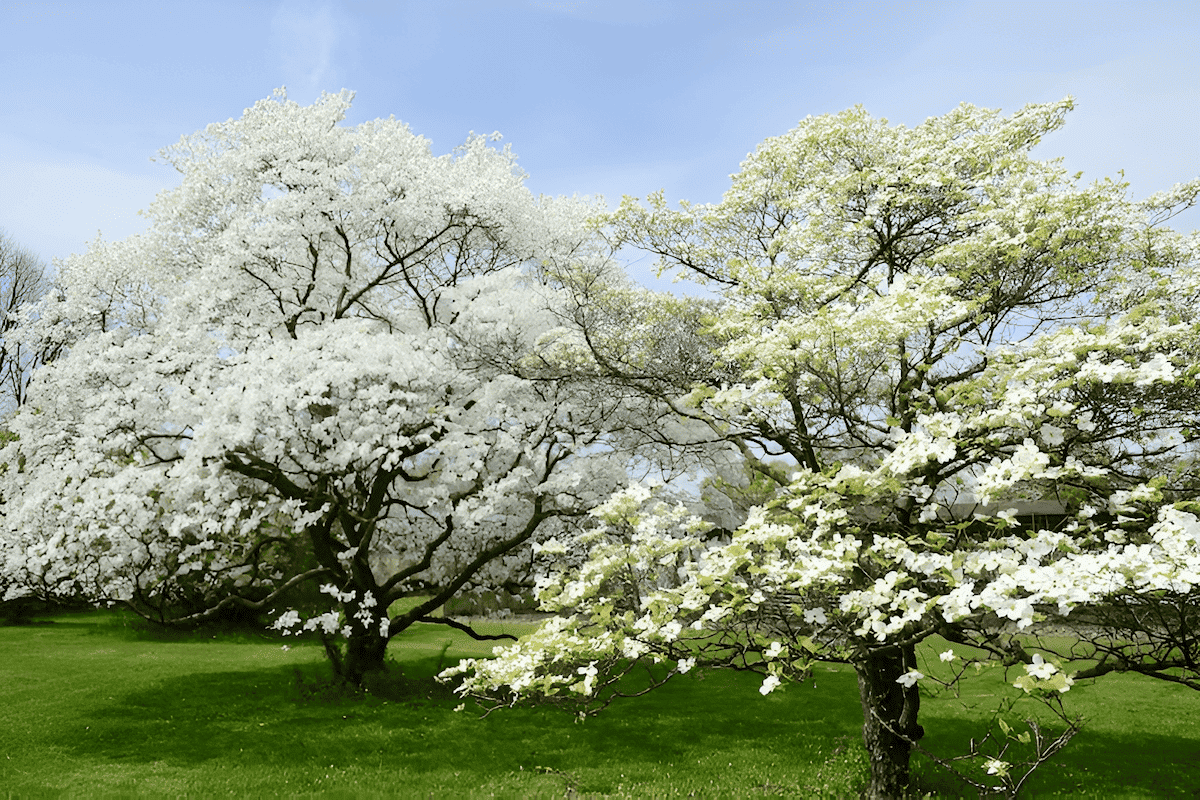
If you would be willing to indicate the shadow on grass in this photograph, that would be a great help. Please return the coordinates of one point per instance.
(711, 729)
(1095, 763)
(268, 718)
(123, 624)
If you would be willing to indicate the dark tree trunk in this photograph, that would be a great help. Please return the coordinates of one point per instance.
(365, 648)
(365, 653)
(889, 719)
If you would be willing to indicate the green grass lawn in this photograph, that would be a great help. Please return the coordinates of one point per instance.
(92, 707)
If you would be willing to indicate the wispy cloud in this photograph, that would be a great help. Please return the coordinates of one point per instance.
(304, 39)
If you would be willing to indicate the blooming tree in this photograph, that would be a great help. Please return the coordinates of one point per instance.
(919, 334)
(320, 365)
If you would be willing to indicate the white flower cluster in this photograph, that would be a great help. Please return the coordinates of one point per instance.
(328, 623)
(1009, 576)
(1044, 676)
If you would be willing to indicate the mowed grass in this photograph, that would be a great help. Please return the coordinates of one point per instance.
(91, 707)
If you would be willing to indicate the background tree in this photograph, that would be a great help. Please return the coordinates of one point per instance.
(23, 280)
(925, 328)
(319, 366)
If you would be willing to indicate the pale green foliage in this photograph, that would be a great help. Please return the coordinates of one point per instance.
(918, 331)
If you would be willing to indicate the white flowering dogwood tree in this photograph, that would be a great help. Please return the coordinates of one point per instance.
(320, 365)
(919, 334)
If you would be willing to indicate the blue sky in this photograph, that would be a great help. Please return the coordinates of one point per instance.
(595, 97)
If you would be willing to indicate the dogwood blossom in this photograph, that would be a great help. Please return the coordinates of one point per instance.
(1039, 668)
(769, 684)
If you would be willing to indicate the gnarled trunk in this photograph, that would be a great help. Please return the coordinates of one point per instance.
(365, 651)
(366, 644)
(889, 719)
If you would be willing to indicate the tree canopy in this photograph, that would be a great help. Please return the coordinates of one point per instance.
(920, 336)
(320, 365)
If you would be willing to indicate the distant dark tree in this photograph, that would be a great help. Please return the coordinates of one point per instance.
(24, 278)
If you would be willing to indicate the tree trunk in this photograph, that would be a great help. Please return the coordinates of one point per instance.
(366, 646)
(889, 719)
(365, 653)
